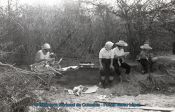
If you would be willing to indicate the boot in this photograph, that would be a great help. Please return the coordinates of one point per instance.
(110, 80)
(102, 84)
(110, 83)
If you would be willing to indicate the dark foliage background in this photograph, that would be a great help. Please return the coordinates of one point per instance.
(79, 29)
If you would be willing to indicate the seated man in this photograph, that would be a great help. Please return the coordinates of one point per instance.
(119, 61)
(45, 61)
(106, 64)
(44, 54)
(145, 58)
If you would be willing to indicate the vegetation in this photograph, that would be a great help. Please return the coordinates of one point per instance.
(80, 28)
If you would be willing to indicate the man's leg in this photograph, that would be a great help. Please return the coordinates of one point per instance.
(127, 67)
(111, 76)
(102, 77)
(117, 68)
(150, 65)
(145, 65)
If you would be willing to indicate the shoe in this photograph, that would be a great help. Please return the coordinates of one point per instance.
(144, 72)
(102, 85)
(110, 84)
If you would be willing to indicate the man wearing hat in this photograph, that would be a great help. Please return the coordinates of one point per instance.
(106, 64)
(44, 54)
(119, 61)
(145, 58)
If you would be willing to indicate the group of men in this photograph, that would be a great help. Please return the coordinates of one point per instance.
(112, 58)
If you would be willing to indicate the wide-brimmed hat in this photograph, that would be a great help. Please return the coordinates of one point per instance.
(146, 46)
(122, 43)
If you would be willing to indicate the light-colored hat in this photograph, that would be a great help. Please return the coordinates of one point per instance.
(146, 46)
(122, 43)
(109, 44)
(46, 46)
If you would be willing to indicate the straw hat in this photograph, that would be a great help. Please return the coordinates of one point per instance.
(122, 43)
(146, 46)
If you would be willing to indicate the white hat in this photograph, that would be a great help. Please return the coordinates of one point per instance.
(109, 44)
(46, 46)
(146, 46)
(121, 43)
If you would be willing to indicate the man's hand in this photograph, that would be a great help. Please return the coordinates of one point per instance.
(127, 53)
(119, 63)
(50, 59)
(101, 67)
(52, 55)
(119, 56)
(111, 67)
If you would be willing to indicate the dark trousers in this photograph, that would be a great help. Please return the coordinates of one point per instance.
(146, 65)
(106, 72)
(123, 65)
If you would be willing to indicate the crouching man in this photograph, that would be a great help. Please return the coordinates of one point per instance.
(45, 55)
(106, 64)
(145, 58)
(45, 60)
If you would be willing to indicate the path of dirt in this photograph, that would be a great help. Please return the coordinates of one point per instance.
(152, 100)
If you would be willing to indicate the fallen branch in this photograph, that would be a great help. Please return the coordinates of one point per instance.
(31, 73)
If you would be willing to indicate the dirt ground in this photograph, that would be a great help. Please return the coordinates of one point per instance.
(120, 92)
(158, 100)
(153, 90)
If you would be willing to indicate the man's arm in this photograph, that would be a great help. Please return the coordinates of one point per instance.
(112, 57)
(111, 65)
(116, 53)
(38, 58)
(100, 62)
(100, 59)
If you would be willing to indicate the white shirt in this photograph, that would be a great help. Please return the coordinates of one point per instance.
(118, 52)
(106, 54)
(40, 55)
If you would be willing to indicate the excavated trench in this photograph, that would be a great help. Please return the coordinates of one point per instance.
(156, 82)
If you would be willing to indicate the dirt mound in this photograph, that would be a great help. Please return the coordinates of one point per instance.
(16, 84)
